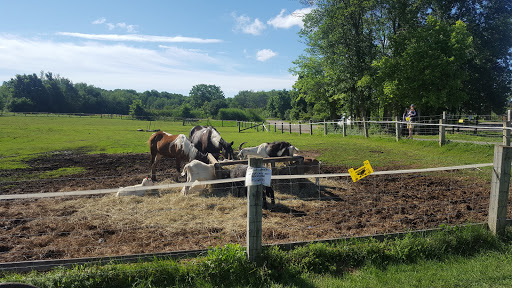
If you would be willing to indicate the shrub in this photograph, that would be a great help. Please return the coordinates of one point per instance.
(232, 114)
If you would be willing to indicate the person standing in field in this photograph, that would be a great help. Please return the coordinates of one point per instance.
(411, 117)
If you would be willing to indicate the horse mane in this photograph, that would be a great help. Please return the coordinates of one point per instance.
(216, 138)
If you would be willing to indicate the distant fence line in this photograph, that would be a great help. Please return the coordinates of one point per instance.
(496, 126)
(446, 124)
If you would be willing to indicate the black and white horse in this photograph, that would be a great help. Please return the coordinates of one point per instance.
(208, 140)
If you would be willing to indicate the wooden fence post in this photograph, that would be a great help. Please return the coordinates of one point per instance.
(398, 129)
(506, 133)
(442, 132)
(290, 127)
(499, 189)
(344, 127)
(275, 127)
(310, 127)
(282, 127)
(300, 129)
(365, 127)
(325, 127)
(254, 214)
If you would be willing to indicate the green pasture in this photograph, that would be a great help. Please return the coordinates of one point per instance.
(24, 137)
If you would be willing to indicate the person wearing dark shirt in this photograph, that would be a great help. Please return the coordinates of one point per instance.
(411, 118)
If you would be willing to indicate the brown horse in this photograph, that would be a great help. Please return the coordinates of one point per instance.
(163, 144)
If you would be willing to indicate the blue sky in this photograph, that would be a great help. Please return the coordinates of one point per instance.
(163, 45)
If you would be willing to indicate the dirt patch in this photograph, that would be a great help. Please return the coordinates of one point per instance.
(102, 171)
(70, 227)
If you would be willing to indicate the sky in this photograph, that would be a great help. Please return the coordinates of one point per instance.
(154, 45)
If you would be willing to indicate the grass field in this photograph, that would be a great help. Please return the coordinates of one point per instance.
(24, 136)
(489, 269)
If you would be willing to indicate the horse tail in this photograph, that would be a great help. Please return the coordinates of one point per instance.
(152, 143)
(241, 144)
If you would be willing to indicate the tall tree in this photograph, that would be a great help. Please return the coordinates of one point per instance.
(279, 104)
(490, 71)
(430, 71)
(26, 93)
(203, 93)
(341, 36)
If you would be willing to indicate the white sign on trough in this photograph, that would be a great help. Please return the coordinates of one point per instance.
(258, 176)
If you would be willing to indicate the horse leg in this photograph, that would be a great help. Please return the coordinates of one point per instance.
(270, 193)
(154, 160)
(178, 169)
(239, 187)
(264, 196)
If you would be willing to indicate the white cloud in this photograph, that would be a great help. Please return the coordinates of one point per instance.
(99, 21)
(265, 54)
(289, 20)
(113, 66)
(195, 55)
(111, 26)
(139, 38)
(246, 25)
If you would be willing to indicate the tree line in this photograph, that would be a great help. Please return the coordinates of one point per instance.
(375, 57)
(49, 92)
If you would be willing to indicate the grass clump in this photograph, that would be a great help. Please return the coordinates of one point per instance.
(228, 266)
(346, 255)
(221, 267)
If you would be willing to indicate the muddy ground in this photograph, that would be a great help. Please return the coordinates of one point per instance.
(71, 227)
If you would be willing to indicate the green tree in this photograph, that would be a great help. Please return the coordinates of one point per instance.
(314, 85)
(185, 111)
(250, 99)
(342, 47)
(430, 71)
(202, 93)
(490, 69)
(31, 89)
(279, 104)
(91, 98)
(212, 108)
(3, 97)
(137, 110)
(20, 105)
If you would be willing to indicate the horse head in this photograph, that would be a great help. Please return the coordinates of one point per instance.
(203, 157)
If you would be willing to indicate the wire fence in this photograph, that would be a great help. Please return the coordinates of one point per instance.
(307, 207)
(484, 132)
